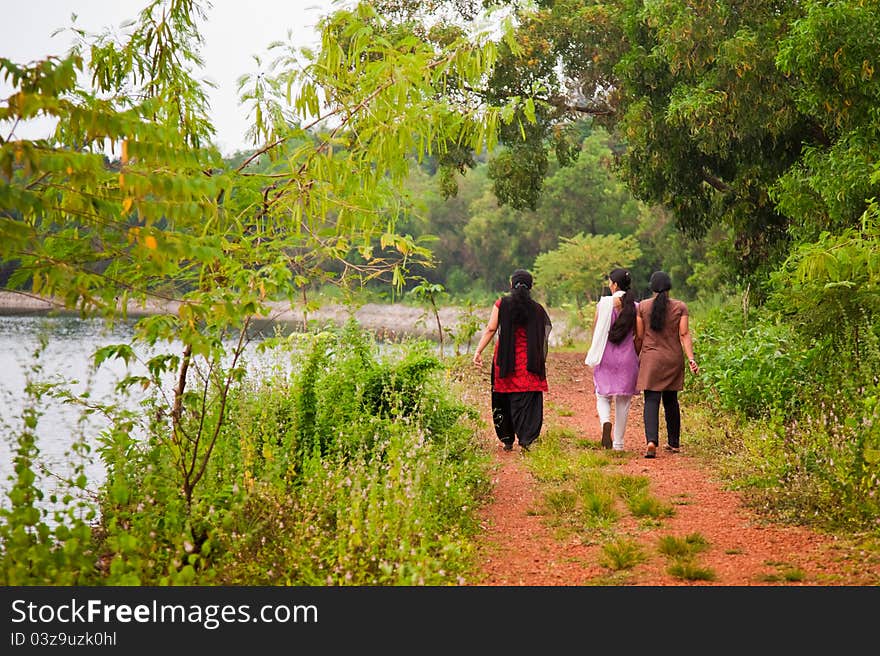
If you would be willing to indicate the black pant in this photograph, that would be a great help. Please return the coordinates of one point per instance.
(671, 411)
(518, 414)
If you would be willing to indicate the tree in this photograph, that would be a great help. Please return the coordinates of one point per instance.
(169, 222)
(833, 53)
(586, 196)
(708, 119)
(754, 117)
(833, 284)
(576, 271)
(495, 236)
(428, 294)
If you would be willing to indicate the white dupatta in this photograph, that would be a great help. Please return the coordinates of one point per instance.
(600, 331)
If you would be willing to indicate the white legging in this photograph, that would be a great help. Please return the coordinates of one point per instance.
(621, 411)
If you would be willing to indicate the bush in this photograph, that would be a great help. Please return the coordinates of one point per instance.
(348, 467)
(806, 412)
(759, 371)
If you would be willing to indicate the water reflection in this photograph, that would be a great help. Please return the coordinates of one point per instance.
(66, 357)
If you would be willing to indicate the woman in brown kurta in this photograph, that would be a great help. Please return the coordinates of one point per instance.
(662, 327)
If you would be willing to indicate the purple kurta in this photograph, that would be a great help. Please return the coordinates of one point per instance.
(618, 370)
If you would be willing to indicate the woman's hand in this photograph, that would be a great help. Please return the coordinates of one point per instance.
(488, 334)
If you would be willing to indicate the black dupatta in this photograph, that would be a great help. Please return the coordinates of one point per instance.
(538, 329)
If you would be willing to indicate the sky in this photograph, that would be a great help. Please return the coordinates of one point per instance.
(233, 33)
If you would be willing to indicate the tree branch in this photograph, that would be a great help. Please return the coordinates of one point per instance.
(716, 183)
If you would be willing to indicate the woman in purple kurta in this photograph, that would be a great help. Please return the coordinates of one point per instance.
(616, 373)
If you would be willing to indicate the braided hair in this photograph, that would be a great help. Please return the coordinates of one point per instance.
(521, 308)
(660, 284)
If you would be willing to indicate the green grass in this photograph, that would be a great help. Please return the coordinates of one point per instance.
(560, 502)
(682, 553)
(559, 410)
(676, 547)
(689, 570)
(631, 486)
(579, 495)
(785, 573)
(645, 506)
(598, 507)
(622, 554)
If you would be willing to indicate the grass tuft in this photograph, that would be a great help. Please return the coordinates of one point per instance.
(690, 570)
(676, 547)
(622, 554)
(643, 505)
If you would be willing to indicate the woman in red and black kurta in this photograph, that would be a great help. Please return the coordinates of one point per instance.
(519, 375)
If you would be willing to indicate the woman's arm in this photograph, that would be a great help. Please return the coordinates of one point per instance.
(640, 333)
(687, 343)
(488, 334)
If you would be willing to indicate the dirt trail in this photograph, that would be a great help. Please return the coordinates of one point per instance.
(519, 548)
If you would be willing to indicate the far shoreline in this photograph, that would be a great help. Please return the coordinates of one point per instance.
(389, 321)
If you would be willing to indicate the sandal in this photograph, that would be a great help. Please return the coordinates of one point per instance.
(670, 448)
(652, 450)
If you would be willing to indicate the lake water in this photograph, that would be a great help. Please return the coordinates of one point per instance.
(67, 355)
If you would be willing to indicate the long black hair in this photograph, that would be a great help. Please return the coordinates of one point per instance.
(521, 306)
(519, 309)
(660, 284)
(625, 321)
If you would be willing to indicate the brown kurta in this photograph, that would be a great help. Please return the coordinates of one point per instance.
(661, 360)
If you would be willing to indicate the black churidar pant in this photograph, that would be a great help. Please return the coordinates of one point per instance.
(518, 414)
(671, 412)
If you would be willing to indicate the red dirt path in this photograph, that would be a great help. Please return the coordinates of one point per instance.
(518, 548)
